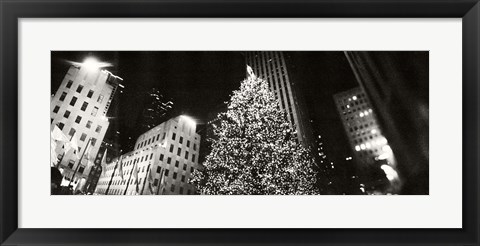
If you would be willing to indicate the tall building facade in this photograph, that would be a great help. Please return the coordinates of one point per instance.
(79, 109)
(370, 147)
(272, 67)
(168, 151)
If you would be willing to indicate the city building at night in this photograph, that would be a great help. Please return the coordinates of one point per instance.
(79, 109)
(272, 67)
(155, 110)
(370, 147)
(169, 151)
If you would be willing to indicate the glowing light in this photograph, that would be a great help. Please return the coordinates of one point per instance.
(389, 172)
(368, 145)
(354, 97)
(373, 131)
(383, 156)
(189, 120)
(386, 148)
(361, 114)
(357, 148)
(362, 146)
(92, 64)
(348, 106)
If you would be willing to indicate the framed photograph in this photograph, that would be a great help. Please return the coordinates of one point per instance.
(272, 122)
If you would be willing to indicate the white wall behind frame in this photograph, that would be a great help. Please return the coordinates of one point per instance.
(442, 208)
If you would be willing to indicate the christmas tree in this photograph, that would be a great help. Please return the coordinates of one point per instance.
(254, 151)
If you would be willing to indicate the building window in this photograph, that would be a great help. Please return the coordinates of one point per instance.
(73, 101)
(69, 83)
(100, 99)
(171, 148)
(94, 111)
(166, 172)
(183, 178)
(66, 114)
(181, 190)
(62, 97)
(193, 158)
(169, 160)
(185, 167)
(186, 155)
(90, 94)
(71, 163)
(188, 143)
(179, 151)
(173, 136)
(71, 132)
(159, 169)
(194, 147)
(174, 175)
(79, 88)
(172, 188)
(158, 136)
(84, 106)
(176, 163)
(55, 110)
(155, 182)
(99, 128)
(180, 140)
(94, 140)
(78, 119)
(61, 125)
(161, 157)
(191, 169)
(82, 138)
(89, 124)
(81, 169)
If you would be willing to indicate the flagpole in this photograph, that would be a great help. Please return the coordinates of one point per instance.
(80, 162)
(144, 181)
(113, 173)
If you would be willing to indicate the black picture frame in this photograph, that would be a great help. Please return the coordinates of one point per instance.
(11, 11)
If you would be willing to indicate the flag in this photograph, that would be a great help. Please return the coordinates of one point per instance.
(120, 168)
(53, 153)
(104, 162)
(150, 181)
(58, 135)
(74, 144)
(135, 173)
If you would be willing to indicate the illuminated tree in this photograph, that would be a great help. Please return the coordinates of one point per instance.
(254, 151)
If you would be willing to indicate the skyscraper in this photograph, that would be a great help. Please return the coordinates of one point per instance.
(155, 110)
(79, 109)
(167, 152)
(368, 144)
(272, 67)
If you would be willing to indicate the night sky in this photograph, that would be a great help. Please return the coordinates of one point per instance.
(200, 81)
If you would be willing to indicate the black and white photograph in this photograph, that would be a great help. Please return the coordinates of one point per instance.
(239, 122)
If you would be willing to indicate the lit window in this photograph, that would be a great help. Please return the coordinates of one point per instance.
(94, 111)
(361, 114)
(100, 99)
(362, 146)
(354, 97)
(357, 148)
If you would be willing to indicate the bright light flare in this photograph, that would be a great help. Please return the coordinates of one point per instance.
(389, 172)
(92, 64)
(189, 120)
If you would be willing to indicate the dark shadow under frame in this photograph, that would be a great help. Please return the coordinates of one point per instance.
(10, 234)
